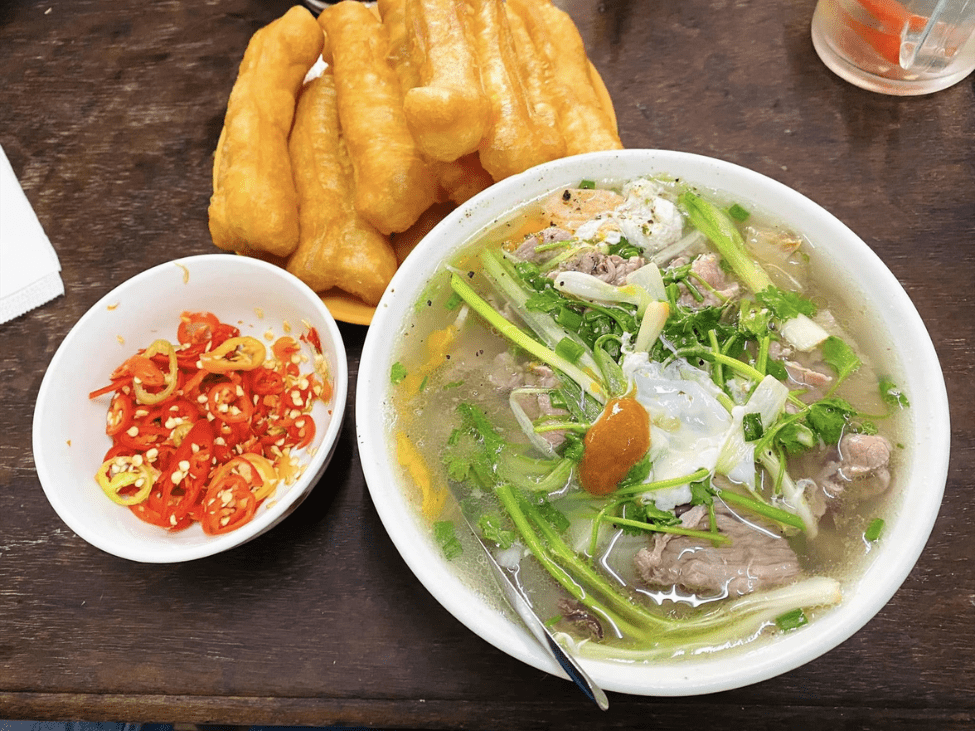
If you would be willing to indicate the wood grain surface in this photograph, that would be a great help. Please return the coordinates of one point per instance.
(110, 112)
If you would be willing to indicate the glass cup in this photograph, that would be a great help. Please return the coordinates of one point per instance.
(904, 47)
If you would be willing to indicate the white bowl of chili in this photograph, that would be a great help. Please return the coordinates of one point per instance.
(199, 418)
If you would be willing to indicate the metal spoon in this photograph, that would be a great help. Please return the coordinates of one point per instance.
(520, 604)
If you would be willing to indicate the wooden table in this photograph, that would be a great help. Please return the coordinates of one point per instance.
(110, 112)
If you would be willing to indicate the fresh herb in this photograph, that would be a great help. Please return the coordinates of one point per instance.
(829, 417)
(573, 447)
(587, 184)
(624, 249)
(458, 468)
(443, 533)
(840, 357)
(720, 228)
(784, 304)
(892, 395)
(638, 473)
(795, 437)
(491, 529)
(397, 373)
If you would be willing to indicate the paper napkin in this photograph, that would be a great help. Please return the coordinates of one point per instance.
(29, 266)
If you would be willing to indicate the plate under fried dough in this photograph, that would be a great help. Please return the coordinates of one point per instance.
(254, 205)
(338, 247)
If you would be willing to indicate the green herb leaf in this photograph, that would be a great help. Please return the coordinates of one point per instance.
(491, 529)
(553, 516)
(791, 620)
(840, 357)
(573, 447)
(443, 533)
(638, 473)
(458, 468)
(829, 417)
(891, 394)
(786, 305)
(795, 437)
(587, 184)
(776, 369)
(397, 373)
(624, 249)
(754, 321)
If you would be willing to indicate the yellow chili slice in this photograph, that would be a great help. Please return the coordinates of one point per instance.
(158, 347)
(235, 354)
(122, 479)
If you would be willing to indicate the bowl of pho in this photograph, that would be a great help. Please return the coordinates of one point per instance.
(682, 404)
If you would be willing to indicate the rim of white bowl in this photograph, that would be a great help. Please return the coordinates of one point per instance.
(220, 543)
(681, 677)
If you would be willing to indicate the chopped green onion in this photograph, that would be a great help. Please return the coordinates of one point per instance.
(791, 620)
(569, 349)
(874, 530)
(751, 425)
(738, 213)
(454, 301)
(397, 373)
(587, 184)
(443, 532)
(568, 318)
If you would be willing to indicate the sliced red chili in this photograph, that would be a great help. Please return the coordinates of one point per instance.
(196, 328)
(120, 412)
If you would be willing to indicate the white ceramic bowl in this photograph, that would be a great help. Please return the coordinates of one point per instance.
(921, 479)
(69, 436)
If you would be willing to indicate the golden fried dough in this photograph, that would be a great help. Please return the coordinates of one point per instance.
(448, 111)
(458, 179)
(584, 122)
(393, 13)
(338, 247)
(254, 203)
(517, 137)
(393, 185)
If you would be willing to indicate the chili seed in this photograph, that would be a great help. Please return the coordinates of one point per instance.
(133, 431)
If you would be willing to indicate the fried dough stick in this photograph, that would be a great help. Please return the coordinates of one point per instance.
(517, 138)
(448, 111)
(459, 179)
(584, 122)
(393, 185)
(254, 205)
(338, 247)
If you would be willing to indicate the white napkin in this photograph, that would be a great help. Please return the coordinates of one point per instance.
(29, 266)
